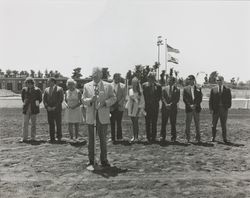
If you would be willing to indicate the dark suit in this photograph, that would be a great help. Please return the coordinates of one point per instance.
(152, 96)
(116, 111)
(54, 99)
(219, 103)
(189, 100)
(169, 96)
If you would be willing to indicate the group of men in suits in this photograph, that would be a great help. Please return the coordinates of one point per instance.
(102, 99)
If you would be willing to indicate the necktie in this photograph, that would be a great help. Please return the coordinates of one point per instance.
(170, 92)
(220, 89)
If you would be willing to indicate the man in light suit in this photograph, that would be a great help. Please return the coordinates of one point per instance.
(170, 98)
(220, 101)
(192, 97)
(98, 96)
(52, 100)
(117, 109)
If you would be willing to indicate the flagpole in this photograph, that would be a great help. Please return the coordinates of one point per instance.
(166, 56)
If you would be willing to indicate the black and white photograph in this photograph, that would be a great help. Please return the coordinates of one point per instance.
(124, 98)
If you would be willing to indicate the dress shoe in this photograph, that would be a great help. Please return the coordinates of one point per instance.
(225, 141)
(173, 139)
(162, 139)
(213, 139)
(105, 164)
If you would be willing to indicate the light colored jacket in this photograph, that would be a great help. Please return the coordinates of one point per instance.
(120, 97)
(106, 94)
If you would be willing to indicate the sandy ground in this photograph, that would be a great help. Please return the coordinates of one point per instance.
(138, 170)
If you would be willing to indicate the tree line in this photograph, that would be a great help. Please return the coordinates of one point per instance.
(139, 71)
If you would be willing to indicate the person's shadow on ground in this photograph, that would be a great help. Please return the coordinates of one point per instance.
(231, 144)
(205, 144)
(167, 143)
(108, 172)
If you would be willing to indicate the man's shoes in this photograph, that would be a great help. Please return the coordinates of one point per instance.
(162, 139)
(91, 163)
(213, 139)
(24, 141)
(173, 139)
(105, 163)
(52, 141)
(225, 141)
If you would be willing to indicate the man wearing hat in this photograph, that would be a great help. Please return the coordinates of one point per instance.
(170, 98)
(52, 100)
(31, 97)
(192, 97)
(152, 96)
(220, 101)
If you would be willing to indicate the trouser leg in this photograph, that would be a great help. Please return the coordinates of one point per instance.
(112, 122)
(91, 152)
(148, 126)
(154, 118)
(189, 116)
(59, 124)
(51, 121)
(173, 115)
(102, 132)
(223, 121)
(119, 124)
(197, 125)
(164, 121)
(215, 118)
(26, 118)
(33, 126)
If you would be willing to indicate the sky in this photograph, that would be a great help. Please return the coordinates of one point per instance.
(65, 34)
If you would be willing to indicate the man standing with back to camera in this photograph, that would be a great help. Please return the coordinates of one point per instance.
(220, 101)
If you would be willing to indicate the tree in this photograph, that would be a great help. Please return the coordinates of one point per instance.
(105, 73)
(129, 77)
(46, 73)
(51, 73)
(162, 77)
(32, 73)
(212, 77)
(57, 74)
(206, 79)
(8, 73)
(76, 73)
(39, 74)
(15, 73)
(1, 72)
(24, 73)
(233, 81)
(180, 81)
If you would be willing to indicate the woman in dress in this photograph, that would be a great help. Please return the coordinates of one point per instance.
(73, 113)
(135, 106)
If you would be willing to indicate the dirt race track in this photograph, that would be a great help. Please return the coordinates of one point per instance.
(170, 170)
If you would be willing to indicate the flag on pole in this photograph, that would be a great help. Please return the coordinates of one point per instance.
(172, 59)
(171, 49)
